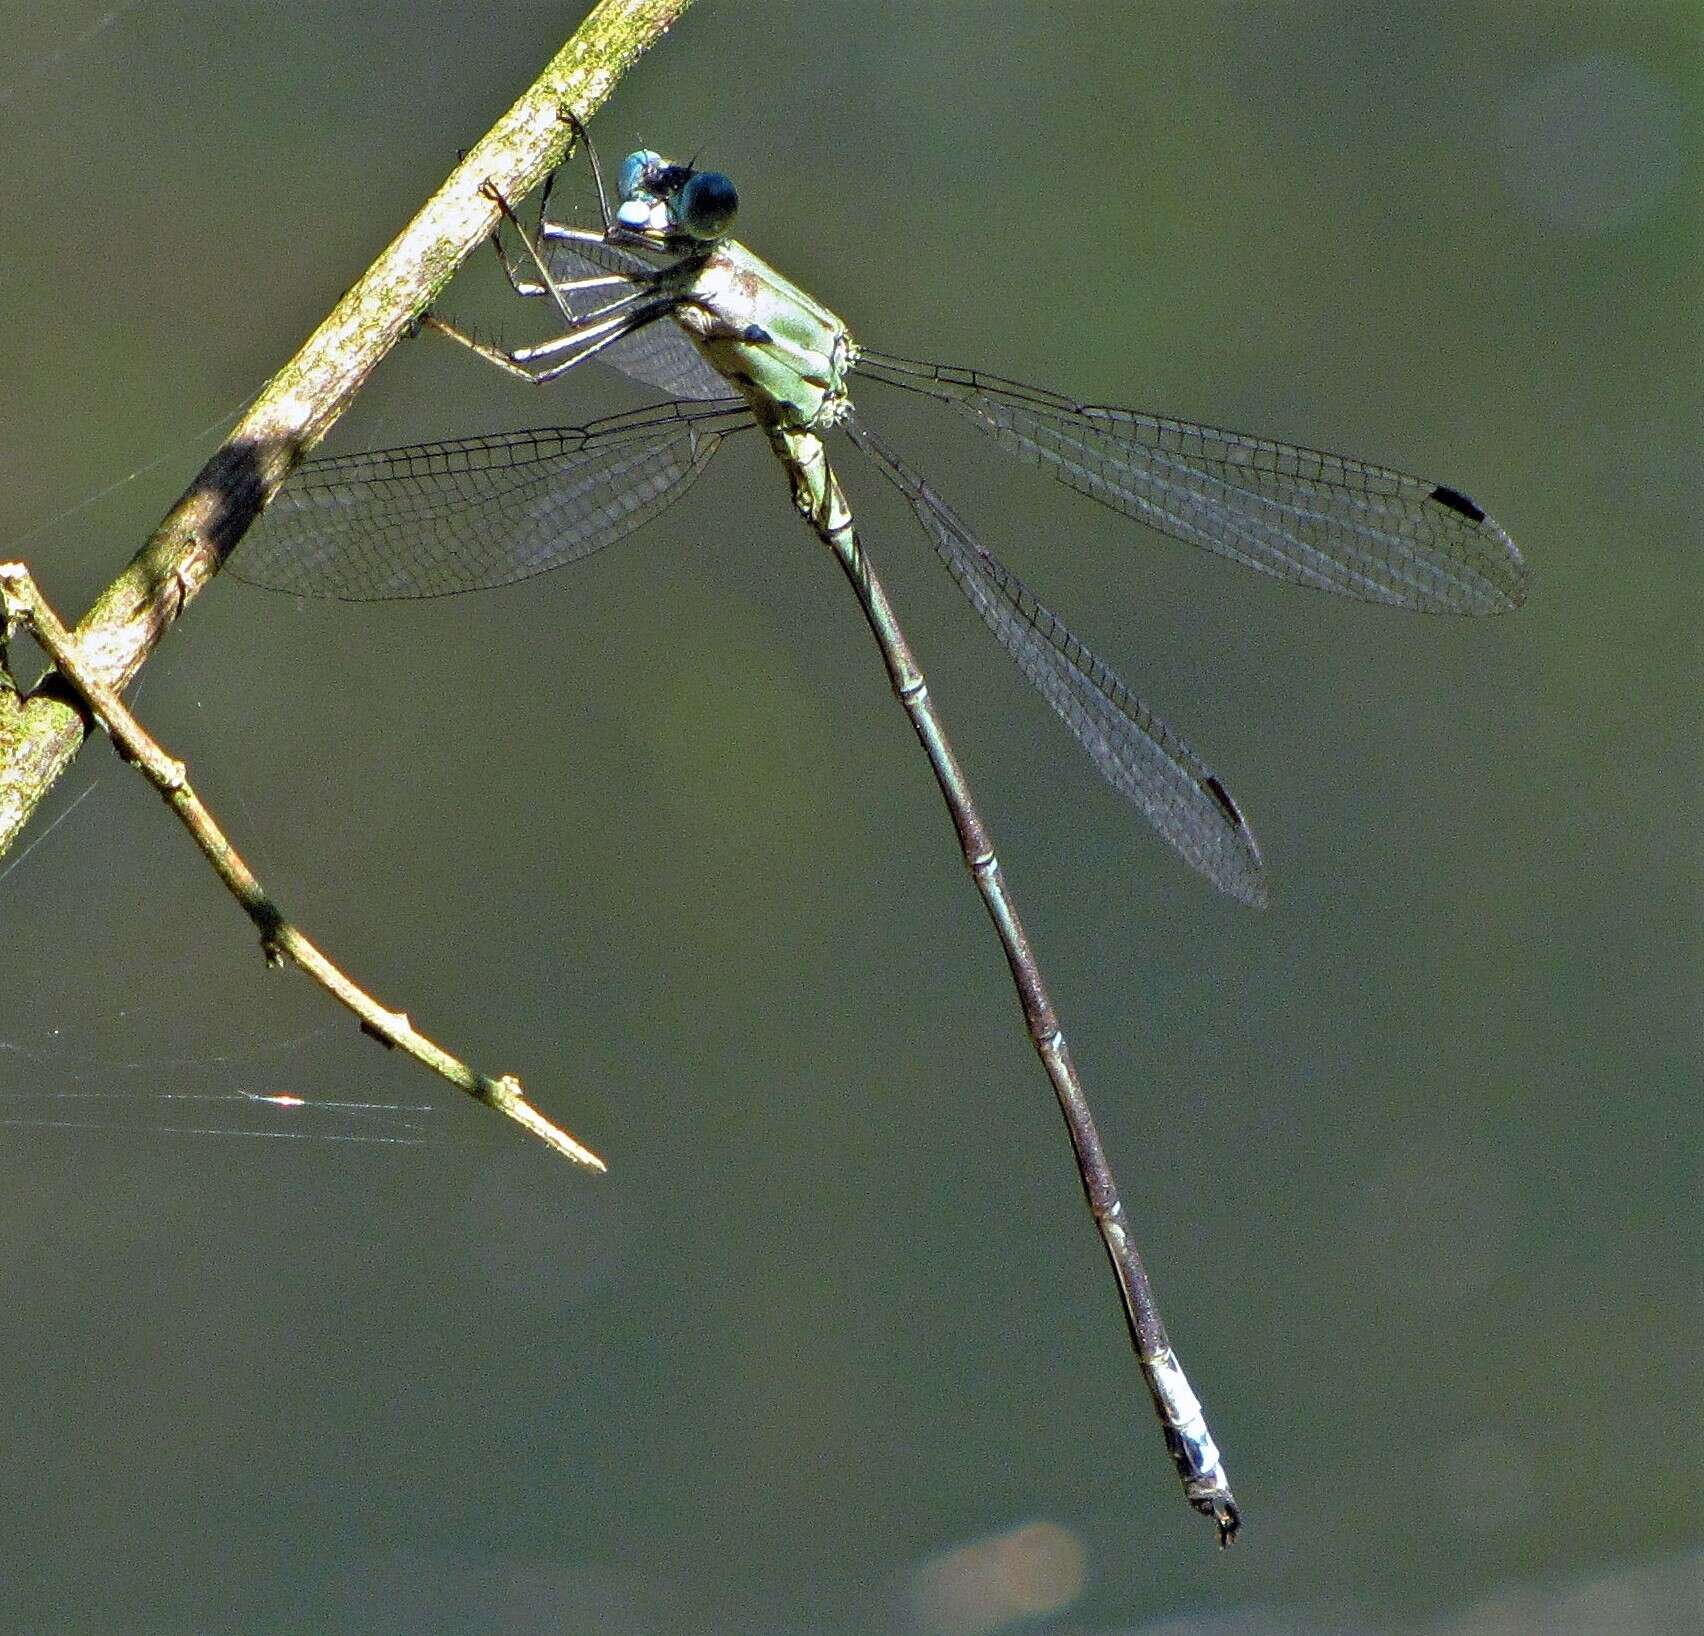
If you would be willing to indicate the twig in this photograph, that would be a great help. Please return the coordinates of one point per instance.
(279, 940)
(39, 734)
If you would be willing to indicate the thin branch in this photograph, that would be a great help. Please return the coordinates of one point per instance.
(39, 734)
(281, 941)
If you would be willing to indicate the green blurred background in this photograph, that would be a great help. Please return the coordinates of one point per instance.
(832, 1349)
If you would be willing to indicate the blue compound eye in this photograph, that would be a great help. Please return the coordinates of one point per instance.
(636, 170)
(707, 205)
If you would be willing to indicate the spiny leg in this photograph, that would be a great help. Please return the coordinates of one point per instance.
(580, 137)
(588, 333)
(556, 289)
(590, 338)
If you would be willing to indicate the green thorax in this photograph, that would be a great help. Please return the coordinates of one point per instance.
(784, 352)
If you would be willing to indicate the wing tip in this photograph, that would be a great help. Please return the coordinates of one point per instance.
(1520, 577)
(1505, 573)
(1245, 877)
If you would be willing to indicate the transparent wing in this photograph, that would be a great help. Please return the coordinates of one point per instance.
(438, 518)
(659, 354)
(1313, 519)
(1135, 751)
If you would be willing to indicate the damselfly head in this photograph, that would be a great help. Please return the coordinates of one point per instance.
(674, 200)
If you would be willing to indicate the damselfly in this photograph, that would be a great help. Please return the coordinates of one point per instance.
(664, 295)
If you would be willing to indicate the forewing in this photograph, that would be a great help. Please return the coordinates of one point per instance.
(1314, 519)
(439, 518)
